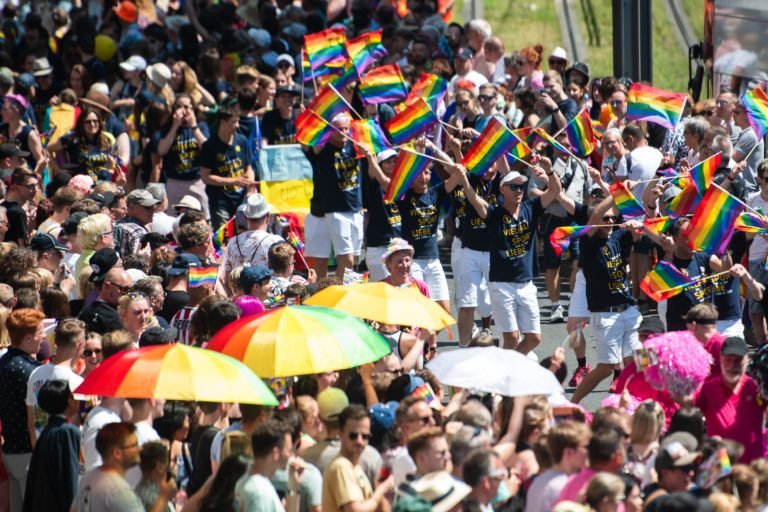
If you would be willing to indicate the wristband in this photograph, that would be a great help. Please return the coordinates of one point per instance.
(549, 173)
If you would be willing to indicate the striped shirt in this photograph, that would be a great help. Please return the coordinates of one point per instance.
(181, 321)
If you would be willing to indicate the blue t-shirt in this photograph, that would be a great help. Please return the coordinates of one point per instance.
(678, 306)
(513, 241)
(420, 215)
(474, 231)
(227, 161)
(604, 261)
(384, 220)
(182, 161)
(725, 296)
(337, 178)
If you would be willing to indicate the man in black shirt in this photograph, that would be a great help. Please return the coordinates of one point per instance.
(101, 315)
(22, 189)
(278, 125)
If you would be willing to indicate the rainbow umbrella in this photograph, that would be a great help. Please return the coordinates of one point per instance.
(385, 304)
(177, 372)
(300, 340)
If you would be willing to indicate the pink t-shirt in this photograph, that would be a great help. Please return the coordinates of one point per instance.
(576, 484)
(735, 415)
(421, 285)
(713, 345)
(634, 382)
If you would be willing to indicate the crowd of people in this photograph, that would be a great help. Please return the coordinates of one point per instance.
(130, 151)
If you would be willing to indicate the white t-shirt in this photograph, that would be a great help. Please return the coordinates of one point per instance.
(256, 493)
(39, 377)
(162, 223)
(97, 418)
(402, 466)
(544, 491)
(144, 434)
(105, 490)
(645, 163)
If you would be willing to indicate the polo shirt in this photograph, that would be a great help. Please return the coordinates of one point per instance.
(15, 368)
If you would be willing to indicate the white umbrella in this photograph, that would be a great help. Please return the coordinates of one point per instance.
(494, 370)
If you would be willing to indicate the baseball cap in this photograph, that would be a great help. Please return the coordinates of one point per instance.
(559, 53)
(181, 264)
(734, 346)
(190, 202)
(512, 176)
(141, 197)
(134, 63)
(46, 242)
(8, 150)
(677, 450)
(382, 416)
(288, 89)
(651, 324)
(103, 199)
(158, 336)
(26, 81)
(385, 155)
(127, 11)
(102, 261)
(6, 76)
(253, 275)
(330, 403)
(670, 193)
(465, 53)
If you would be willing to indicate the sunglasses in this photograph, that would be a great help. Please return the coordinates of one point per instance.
(708, 113)
(615, 103)
(90, 353)
(484, 97)
(354, 435)
(521, 62)
(123, 289)
(514, 187)
(610, 218)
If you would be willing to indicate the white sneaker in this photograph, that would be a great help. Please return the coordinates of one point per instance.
(475, 331)
(557, 314)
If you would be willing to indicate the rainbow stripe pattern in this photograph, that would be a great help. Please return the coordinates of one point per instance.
(580, 134)
(749, 222)
(221, 236)
(425, 391)
(646, 103)
(327, 104)
(667, 173)
(348, 74)
(201, 276)
(560, 239)
(658, 224)
(408, 166)
(495, 140)
(295, 241)
(712, 225)
(539, 132)
(756, 104)
(414, 120)
(368, 132)
(431, 88)
(702, 173)
(383, 85)
(325, 46)
(685, 202)
(626, 202)
(311, 129)
(664, 281)
(365, 49)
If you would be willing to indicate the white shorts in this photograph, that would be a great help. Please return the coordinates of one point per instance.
(475, 267)
(431, 272)
(729, 328)
(577, 306)
(515, 307)
(341, 231)
(616, 334)
(377, 271)
(456, 254)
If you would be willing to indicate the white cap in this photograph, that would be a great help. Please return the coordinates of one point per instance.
(385, 155)
(559, 53)
(134, 63)
(100, 87)
(284, 57)
(159, 74)
(190, 202)
(512, 176)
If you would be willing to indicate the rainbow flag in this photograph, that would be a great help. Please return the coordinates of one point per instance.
(664, 281)
(646, 103)
(365, 49)
(408, 166)
(560, 239)
(325, 46)
(702, 172)
(712, 225)
(667, 173)
(347, 74)
(658, 224)
(539, 132)
(626, 202)
(580, 134)
(295, 241)
(311, 129)
(327, 104)
(368, 132)
(685, 202)
(717, 466)
(383, 85)
(425, 391)
(598, 128)
(224, 234)
(431, 88)
(749, 222)
(756, 104)
(495, 140)
(201, 276)
(414, 120)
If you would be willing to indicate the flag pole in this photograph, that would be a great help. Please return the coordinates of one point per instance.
(737, 199)
(344, 100)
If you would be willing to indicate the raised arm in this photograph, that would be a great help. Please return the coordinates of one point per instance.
(554, 187)
(477, 202)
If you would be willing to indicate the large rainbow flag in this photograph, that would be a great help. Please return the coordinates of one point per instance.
(325, 46)
(408, 166)
(414, 120)
(369, 133)
(712, 225)
(580, 134)
(365, 49)
(431, 88)
(646, 103)
(685, 202)
(702, 172)
(383, 85)
(495, 140)
(625, 201)
(756, 104)
(664, 281)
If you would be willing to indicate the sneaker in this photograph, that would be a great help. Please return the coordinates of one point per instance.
(578, 376)
(475, 331)
(612, 387)
(557, 314)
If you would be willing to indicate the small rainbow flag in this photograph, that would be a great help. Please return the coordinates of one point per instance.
(539, 132)
(225, 233)
(365, 49)
(685, 202)
(702, 172)
(201, 276)
(383, 85)
(327, 104)
(598, 128)
(658, 224)
(626, 202)
(667, 173)
(431, 88)
(368, 132)
(521, 150)
(756, 104)
(646, 103)
(325, 46)
(414, 120)
(717, 466)
(664, 281)
(749, 222)
(348, 74)
(311, 129)
(560, 239)
(712, 225)
(408, 166)
(425, 391)
(495, 140)
(580, 134)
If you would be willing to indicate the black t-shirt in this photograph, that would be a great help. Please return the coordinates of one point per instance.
(420, 214)
(474, 232)
(459, 209)
(513, 241)
(174, 301)
(21, 140)
(725, 296)
(678, 306)
(114, 126)
(101, 317)
(226, 161)
(604, 261)
(276, 130)
(200, 447)
(337, 179)
(384, 222)
(18, 229)
(182, 161)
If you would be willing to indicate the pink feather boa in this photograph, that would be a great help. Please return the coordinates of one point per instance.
(683, 364)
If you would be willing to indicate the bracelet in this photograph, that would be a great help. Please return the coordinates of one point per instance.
(549, 173)
(651, 206)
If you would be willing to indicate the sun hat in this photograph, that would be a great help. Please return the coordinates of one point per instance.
(396, 245)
